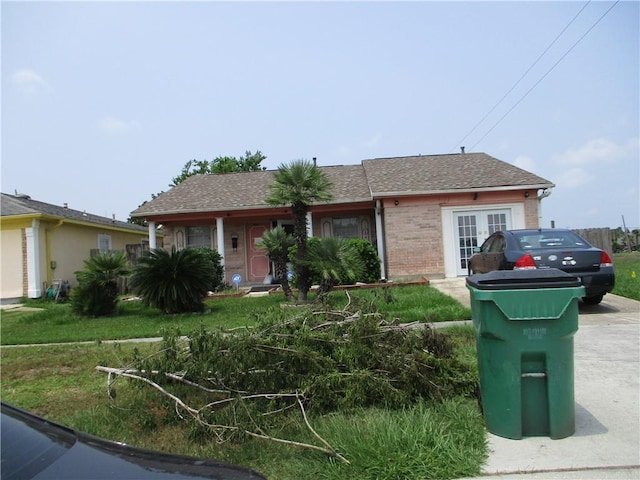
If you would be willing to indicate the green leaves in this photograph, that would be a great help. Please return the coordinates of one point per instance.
(299, 184)
(97, 290)
(175, 281)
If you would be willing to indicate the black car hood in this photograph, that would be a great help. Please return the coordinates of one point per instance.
(34, 448)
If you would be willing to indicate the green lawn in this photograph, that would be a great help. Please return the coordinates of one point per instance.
(57, 323)
(627, 267)
(428, 440)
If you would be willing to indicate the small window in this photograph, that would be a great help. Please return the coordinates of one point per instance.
(199, 236)
(104, 243)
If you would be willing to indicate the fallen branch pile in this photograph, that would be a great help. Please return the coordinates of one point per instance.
(247, 382)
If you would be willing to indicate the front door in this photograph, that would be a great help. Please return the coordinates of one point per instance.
(258, 263)
(473, 228)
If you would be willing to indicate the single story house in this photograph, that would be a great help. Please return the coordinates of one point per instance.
(42, 243)
(424, 214)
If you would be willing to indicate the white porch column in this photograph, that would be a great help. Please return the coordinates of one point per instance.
(220, 239)
(32, 234)
(380, 238)
(153, 244)
(309, 225)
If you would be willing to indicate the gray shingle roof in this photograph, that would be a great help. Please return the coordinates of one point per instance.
(12, 205)
(439, 173)
(247, 190)
(352, 183)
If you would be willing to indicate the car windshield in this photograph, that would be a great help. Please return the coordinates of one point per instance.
(542, 240)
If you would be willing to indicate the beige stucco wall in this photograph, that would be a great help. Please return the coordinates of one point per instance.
(68, 244)
(11, 263)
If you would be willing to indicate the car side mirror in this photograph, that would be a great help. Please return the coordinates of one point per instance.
(476, 250)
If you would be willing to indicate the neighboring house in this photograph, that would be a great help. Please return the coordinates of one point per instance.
(424, 214)
(42, 243)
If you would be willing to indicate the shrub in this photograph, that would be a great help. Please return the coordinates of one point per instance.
(368, 257)
(175, 281)
(217, 282)
(355, 261)
(97, 291)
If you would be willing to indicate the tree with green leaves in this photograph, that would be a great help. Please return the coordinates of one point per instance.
(175, 281)
(299, 184)
(250, 162)
(97, 292)
(277, 242)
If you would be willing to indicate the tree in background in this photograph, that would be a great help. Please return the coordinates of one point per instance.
(299, 184)
(277, 242)
(97, 292)
(250, 162)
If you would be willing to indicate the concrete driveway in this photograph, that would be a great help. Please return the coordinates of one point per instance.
(606, 443)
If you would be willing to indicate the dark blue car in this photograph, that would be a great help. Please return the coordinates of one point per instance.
(548, 248)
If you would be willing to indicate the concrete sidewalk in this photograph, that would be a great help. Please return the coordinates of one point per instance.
(606, 442)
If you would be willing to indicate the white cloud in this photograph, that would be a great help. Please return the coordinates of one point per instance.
(596, 151)
(525, 163)
(28, 81)
(573, 178)
(110, 124)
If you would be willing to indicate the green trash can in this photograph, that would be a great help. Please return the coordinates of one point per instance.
(525, 321)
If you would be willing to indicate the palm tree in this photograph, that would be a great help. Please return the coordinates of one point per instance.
(299, 184)
(334, 260)
(97, 291)
(277, 242)
(174, 282)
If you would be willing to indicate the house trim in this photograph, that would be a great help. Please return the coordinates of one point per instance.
(33, 254)
(517, 211)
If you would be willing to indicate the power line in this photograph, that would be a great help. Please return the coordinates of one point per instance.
(545, 75)
(460, 142)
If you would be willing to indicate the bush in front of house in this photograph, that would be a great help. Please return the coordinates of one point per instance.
(216, 283)
(369, 258)
(97, 292)
(349, 260)
(175, 281)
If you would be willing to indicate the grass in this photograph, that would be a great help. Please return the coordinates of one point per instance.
(429, 440)
(438, 440)
(57, 323)
(627, 267)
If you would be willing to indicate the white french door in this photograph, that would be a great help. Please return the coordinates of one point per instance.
(472, 228)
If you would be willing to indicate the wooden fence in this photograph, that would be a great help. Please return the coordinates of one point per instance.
(598, 237)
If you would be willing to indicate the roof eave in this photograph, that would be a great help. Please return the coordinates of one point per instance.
(503, 188)
(240, 208)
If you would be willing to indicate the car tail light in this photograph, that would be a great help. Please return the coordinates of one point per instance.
(605, 260)
(525, 262)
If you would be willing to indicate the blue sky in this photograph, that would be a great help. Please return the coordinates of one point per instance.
(104, 102)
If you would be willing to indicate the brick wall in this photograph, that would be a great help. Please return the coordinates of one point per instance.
(416, 248)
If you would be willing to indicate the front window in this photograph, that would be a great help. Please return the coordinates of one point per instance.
(199, 236)
(345, 227)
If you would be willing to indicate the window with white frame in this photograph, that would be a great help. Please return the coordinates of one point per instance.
(104, 242)
(199, 236)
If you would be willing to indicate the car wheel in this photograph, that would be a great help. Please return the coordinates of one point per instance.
(592, 300)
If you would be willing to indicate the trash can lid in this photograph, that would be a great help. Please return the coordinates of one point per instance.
(520, 279)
